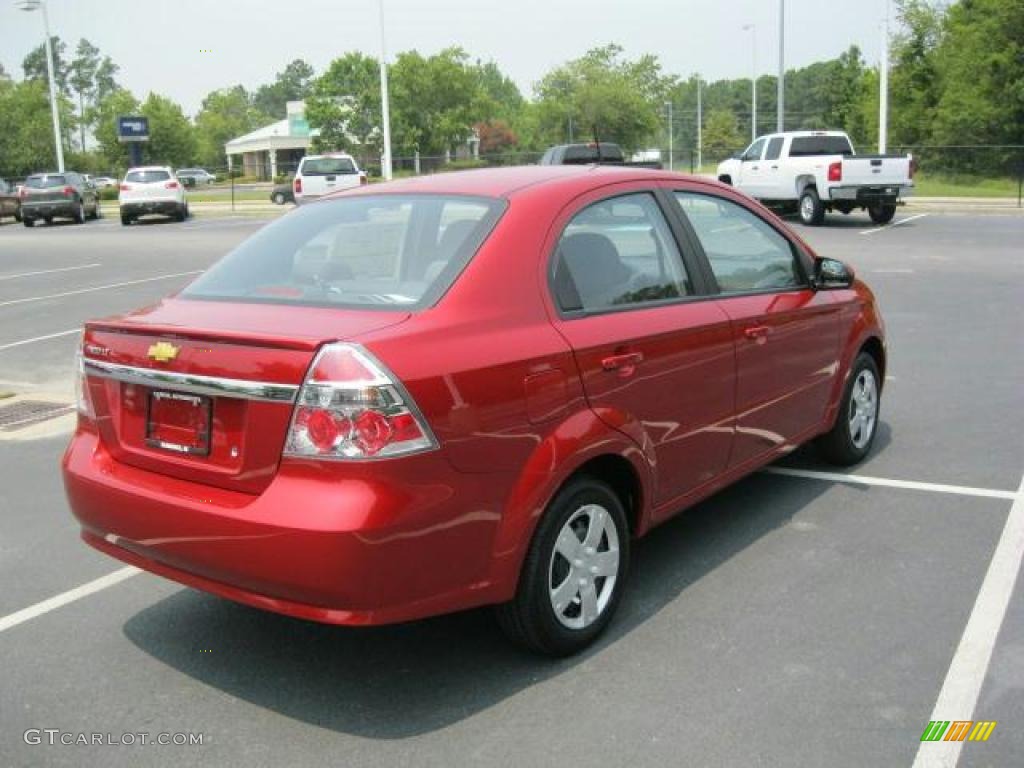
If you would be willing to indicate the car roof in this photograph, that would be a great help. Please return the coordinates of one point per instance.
(509, 181)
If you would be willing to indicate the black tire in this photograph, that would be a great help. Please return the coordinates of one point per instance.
(27, 222)
(278, 198)
(181, 214)
(80, 213)
(125, 219)
(838, 446)
(882, 213)
(811, 210)
(17, 215)
(48, 220)
(529, 619)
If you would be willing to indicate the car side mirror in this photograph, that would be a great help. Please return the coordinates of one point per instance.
(832, 274)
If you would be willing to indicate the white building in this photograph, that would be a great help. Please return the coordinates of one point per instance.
(275, 148)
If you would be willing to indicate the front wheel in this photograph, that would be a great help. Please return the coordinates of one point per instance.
(851, 437)
(574, 571)
(882, 213)
(812, 211)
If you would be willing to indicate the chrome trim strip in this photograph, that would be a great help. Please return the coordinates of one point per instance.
(188, 382)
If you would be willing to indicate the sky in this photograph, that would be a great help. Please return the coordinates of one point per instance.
(184, 49)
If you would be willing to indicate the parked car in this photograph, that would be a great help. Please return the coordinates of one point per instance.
(818, 171)
(105, 182)
(152, 189)
(466, 389)
(282, 193)
(319, 175)
(10, 204)
(601, 153)
(195, 176)
(49, 196)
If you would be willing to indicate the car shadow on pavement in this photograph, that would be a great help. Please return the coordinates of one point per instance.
(403, 680)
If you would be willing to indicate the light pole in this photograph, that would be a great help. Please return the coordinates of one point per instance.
(780, 125)
(32, 5)
(753, 79)
(385, 108)
(700, 127)
(671, 164)
(883, 84)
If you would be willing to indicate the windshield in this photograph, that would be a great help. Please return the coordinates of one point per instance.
(45, 182)
(382, 251)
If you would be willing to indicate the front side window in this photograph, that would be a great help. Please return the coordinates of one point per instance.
(746, 253)
(371, 251)
(754, 151)
(617, 253)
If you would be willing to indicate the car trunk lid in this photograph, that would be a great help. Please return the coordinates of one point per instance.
(204, 391)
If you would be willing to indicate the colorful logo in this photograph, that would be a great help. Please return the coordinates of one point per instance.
(958, 730)
(163, 352)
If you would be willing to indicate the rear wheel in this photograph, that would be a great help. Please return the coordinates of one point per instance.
(812, 212)
(882, 213)
(125, 219)
(279, 198)
(48, 220)
(80, 213)
(182, 213)
(27, 222)
(574, 571)
(851, 437)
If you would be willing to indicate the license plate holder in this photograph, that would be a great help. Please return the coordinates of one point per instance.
(179, 422)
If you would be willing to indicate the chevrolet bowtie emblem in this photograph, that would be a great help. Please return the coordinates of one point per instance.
(163, 352)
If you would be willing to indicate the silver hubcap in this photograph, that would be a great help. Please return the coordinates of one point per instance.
(584, 566)
(863, 408)
(807, 208)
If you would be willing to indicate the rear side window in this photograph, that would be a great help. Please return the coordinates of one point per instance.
(45, 182)
(147, 177)
(618, 253)
(380, 251)
(805, 146)
(746, 254)
(328, 166)
(774, 149)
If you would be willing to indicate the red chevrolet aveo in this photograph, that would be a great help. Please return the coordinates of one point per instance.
(468, 389)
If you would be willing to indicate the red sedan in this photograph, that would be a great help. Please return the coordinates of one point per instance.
(467, 389)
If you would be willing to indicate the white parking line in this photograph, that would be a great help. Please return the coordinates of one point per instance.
(911, 485)
(49, 271)
(23, 342)
(890, 226)
(959, 694)
(57, 601)
(11, 302)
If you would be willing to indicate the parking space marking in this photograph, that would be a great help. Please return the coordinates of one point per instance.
(49, 271)
(911, 485)
(48, 336)
(11, 302)
(962, 686)
(57, 601)
(890, 226)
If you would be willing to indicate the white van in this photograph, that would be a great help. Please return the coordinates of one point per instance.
(320, 175)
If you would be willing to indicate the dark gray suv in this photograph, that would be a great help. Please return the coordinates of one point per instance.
(67, 195)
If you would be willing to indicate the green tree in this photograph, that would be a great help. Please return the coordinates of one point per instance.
(172, 139)
(344, 104)
(82, 79)
(914, 86)
(721, 135)
(119, 102)
(224, 115)
(26, 133)
(34, 64)
(292, 84)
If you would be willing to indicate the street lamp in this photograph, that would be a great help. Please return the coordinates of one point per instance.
(781, 119)
(671, 164)
(32, 5)
(883, 84)
(753, 79)
(385, 109)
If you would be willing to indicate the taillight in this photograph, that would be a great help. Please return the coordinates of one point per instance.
(835, 171)
(126, 187)
(82, 398)
(68, 191)
(351, 407)
(297, 186)
(171, 185)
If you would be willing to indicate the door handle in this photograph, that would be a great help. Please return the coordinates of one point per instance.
(753, 167)
(624, 363)
(775, 167)
(758, 333)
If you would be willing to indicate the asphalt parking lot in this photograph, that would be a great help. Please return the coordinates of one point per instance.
(795, 619)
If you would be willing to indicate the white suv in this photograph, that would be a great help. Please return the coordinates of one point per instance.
(152, 189)
(320, 175)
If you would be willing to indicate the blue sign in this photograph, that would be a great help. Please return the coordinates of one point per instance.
(131, 128)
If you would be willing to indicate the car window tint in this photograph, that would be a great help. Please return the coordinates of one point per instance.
(774, 149)
(147, 177)
(325, 166)
(806, 146)
(615, 253)
(369, 251)
(45, 182)
(745, 253)
(754, 153)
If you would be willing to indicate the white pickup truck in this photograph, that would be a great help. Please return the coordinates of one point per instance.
(320, 175)
(818, 171)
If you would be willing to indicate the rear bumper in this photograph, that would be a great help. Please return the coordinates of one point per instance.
(141, 208)
(330, 543)
(870, 195)
(62, 209)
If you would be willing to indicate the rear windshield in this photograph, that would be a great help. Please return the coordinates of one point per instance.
(323, 166)
(585, 154)
(147, 177)
(368, 251)
(45, 182)
(803, 146)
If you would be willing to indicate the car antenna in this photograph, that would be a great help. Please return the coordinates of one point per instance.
(597, 143)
